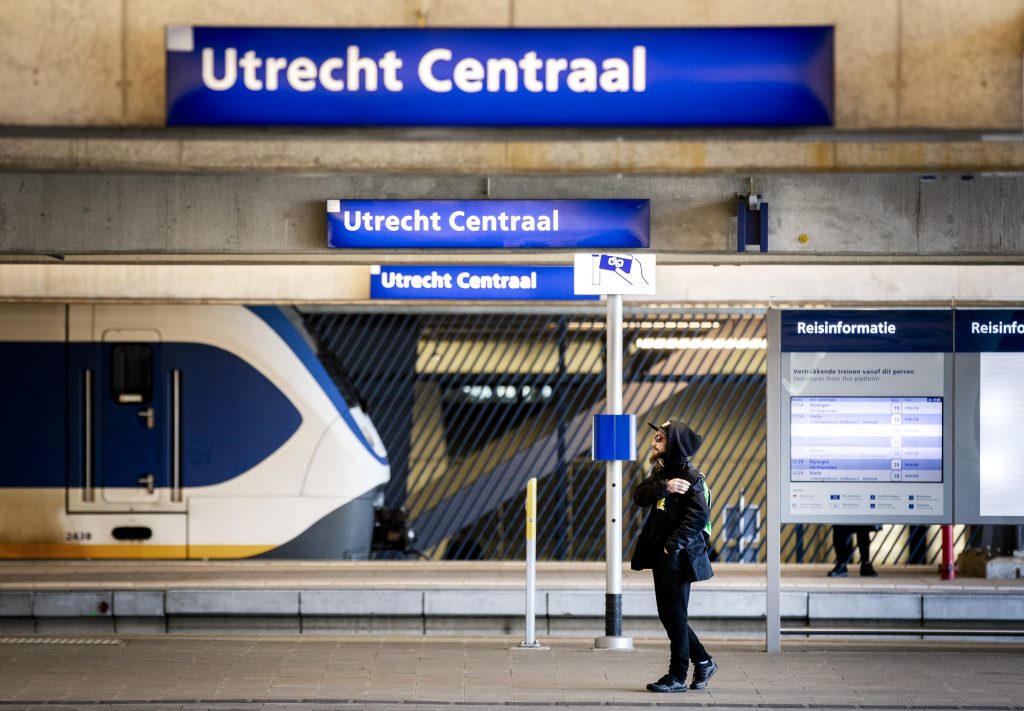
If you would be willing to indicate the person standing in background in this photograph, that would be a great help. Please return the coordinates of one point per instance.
(844, 551)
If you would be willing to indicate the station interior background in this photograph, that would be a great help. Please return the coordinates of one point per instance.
(921, 171)
(468, 399)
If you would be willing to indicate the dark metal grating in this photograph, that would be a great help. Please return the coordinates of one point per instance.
(471, 403)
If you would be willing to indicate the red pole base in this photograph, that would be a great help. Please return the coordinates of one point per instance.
(947, 571)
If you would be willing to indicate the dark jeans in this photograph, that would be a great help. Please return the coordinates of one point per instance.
(673, 598)
(841, 541)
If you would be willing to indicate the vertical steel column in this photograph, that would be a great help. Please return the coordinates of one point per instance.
(613, 638)
(561, 487)
(773, 499)
(531, 565)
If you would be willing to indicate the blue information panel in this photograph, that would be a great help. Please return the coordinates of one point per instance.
(488, 224)
(499, 283)
(989, 413)
(866, 431)
(614, 438)
(760, 76)
(989, 331)
(850, 331)
(866, 439)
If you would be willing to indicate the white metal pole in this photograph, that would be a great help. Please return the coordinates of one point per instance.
(613, 638)
(773, 538)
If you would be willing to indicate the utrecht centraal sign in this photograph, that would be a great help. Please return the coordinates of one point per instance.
(753, 76)
(487, 224)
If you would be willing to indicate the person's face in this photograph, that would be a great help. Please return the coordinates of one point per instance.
(658, 443)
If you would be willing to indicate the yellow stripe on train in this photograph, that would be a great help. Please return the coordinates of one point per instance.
(61, 550)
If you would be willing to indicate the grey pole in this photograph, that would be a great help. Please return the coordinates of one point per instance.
(613, 638)
(773, 542)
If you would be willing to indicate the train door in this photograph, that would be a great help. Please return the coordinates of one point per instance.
(125, 419)
(132, 407)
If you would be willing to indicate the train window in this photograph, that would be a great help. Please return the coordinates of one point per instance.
(131, 373)
(340, 379)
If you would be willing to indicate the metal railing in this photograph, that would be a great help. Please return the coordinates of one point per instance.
(471, 402)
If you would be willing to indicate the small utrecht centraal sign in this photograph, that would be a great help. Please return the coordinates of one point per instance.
(474, 283)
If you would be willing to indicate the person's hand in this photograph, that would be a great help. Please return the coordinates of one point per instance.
(677, 486)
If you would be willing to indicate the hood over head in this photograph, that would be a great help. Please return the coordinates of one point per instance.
(682, 441)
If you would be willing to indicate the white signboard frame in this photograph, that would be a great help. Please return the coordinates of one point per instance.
(614, 273)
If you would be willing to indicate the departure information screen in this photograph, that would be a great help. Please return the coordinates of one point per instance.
(866, 439)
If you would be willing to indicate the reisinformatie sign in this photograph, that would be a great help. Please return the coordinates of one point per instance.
(357, 76)
(990, 416)
(866, 417)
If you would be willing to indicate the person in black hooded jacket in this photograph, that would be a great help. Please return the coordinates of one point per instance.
(674, 544)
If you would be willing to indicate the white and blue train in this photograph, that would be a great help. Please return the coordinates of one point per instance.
(179, 431)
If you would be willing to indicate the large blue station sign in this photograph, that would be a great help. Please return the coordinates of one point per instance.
(476, 283)
(753, 76)
(495, 224)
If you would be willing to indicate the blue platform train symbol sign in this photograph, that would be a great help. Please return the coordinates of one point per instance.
(623, 273)
(620, 265)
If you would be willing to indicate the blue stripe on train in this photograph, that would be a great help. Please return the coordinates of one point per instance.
(273, 317)
(32, 401)
(232, 416)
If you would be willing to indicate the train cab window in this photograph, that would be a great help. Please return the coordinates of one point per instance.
(341, 380)
(131, 373)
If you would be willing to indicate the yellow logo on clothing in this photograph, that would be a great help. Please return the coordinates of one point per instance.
(660, 505)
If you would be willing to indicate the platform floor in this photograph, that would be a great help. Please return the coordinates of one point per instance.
(478, 598)
(162, 673)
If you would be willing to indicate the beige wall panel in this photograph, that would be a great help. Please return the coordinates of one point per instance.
(461, 13)
(961, 63)
(569, 156)
(60, 62)
(867, 38)
(961, 156)
(784, 155)
(899, 63)
(146, 21)
(347, 155)
(187, 283)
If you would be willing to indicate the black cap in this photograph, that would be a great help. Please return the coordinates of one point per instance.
(660, 428)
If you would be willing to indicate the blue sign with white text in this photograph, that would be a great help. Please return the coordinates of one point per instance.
(989, 331)
(844, 331)
(502, 283)
(495, 224)
(709, 76)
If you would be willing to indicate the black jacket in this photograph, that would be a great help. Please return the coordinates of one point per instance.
(676, 522)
